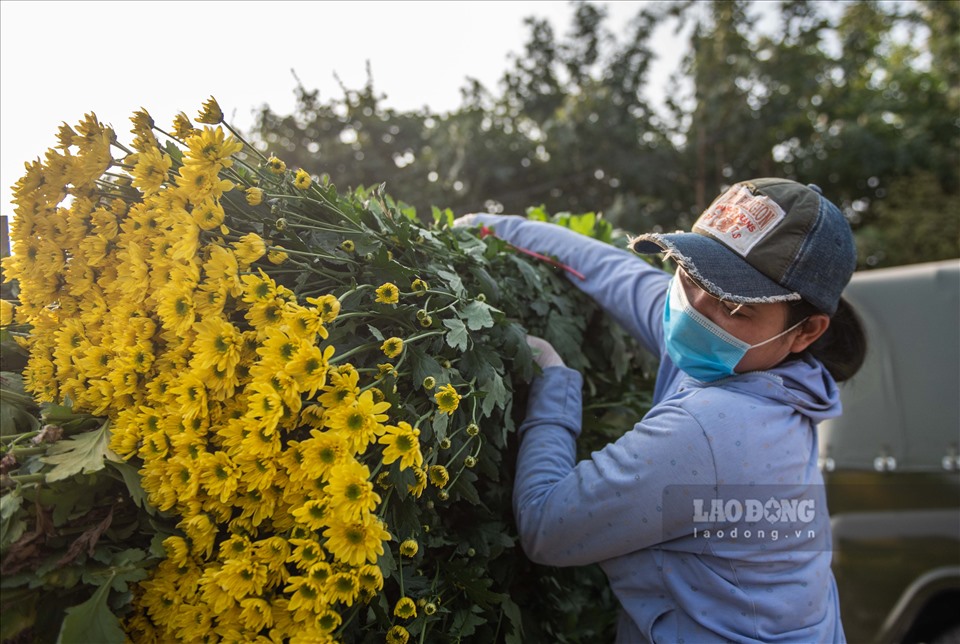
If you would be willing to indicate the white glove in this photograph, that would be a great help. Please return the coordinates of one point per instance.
(543, 353)
(464, 221)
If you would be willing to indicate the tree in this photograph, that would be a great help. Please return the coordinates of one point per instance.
(834, 95)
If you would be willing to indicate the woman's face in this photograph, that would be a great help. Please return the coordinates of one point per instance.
(751, 323)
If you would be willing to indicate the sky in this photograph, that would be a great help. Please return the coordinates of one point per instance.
(60, 60)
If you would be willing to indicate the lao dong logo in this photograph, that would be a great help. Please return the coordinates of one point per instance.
(772, 510)
(738, 517)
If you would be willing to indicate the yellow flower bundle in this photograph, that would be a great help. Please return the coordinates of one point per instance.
(147, 308)
(315, 427)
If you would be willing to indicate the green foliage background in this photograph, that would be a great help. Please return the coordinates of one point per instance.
(859, 97)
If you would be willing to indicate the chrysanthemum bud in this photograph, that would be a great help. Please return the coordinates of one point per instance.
(473, 429)
(211, 113)
(470, 461)
(348, 246)
(409, 548)
(429, 383)
(254, 196)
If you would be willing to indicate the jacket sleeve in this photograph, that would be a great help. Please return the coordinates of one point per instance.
(619, 500)
(626, 287)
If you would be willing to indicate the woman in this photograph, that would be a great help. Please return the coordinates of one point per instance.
(709, 516)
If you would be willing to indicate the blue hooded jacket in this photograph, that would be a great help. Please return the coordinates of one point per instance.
(709, 517)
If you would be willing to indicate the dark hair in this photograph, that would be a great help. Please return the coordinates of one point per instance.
(843, 346)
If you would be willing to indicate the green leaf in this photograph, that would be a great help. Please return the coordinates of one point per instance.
(91, 621)
(457, 336)
(512, 611)
(375, 332)
(84, 453)
(131, 478)
(538, 213)
(17, 408)
(477, 315)
(11, 526)
(439, 424)
(453, 281)
(465, 622)
(496, 393)
(423, 365)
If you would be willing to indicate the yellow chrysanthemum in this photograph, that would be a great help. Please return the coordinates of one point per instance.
(392, 347)
(409, 548)
(302, 180)
(328, 305)
(360, 421)
(306, 553)
(388, 293)
(342, 389)
(276, 255)
(208, 214)
(398, 635)
(309, 368)
(420, 485)
(150, 171)
(419, 287)
(182, 127)
(327, 622)
(311, 514)
(211, 112)
(249, 249)
(254, 196)
(220, 476)
(403, 443)
(349, 490)
(370, 577)
(210, 148)
(447, 399)
(199, 182)
(320, 453)
(6, 312)
(358, 541)
(438, 475)
(343, 587)
(405, 608)
(255, 614)
(276, 166)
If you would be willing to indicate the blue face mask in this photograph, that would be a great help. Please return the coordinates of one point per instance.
(697, 345)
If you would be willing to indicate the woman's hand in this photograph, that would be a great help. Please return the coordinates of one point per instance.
(464, 221)
(543, 353)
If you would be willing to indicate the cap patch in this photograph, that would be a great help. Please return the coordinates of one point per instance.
(740, 219)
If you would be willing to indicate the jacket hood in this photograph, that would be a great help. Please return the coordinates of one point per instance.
(803, 383)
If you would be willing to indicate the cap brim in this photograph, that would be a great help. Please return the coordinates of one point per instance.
(716, 268)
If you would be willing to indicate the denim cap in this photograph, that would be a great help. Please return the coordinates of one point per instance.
(765, 240)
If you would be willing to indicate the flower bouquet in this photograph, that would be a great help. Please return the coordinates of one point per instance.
(251, 408)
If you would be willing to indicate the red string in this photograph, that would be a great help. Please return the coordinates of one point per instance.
(484, 231)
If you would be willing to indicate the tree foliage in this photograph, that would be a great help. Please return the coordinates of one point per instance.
(859, 98)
